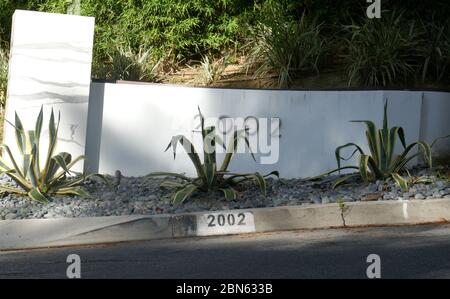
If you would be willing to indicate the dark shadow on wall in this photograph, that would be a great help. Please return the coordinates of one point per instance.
(94, 127)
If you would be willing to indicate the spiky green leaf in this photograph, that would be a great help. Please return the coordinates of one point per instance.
(402, 182)
(181, 195)
(343, 179)
(35, 194)
(38, 126)
(20, 134)
(11, 189)
(229, 193)
(364, 167)
(339, 157)
(74, 191)
(172, 184)
(190, 150)
(62, 159)
(261, 182)
(168, 174)
(232, 147)
(13, 161)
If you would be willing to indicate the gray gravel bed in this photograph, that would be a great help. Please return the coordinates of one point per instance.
(142, 196)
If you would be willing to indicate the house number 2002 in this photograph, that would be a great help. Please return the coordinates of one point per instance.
(226, 219)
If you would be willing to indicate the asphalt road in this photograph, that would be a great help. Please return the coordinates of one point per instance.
(405, 252)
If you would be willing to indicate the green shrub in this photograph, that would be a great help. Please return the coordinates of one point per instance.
(210, 178)
(55, 177)
(211, 71)
(381, 52)
(124, 64)
(382, 162)
(435, 51)
(389, 51)
(173, 29)
(178, 29)
(285, 46)
(3, 73)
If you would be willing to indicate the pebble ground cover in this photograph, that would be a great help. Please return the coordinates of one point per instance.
(143, 196)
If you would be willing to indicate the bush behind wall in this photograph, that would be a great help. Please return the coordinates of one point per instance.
(178, 32)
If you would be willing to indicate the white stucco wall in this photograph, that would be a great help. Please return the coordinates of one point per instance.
(435, 121)
(138, 120)
(50, 65)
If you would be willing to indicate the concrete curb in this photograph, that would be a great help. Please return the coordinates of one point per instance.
(41, 233)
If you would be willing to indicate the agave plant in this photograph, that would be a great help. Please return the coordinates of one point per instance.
(55, 177)
(382, 162)
(210, 177)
